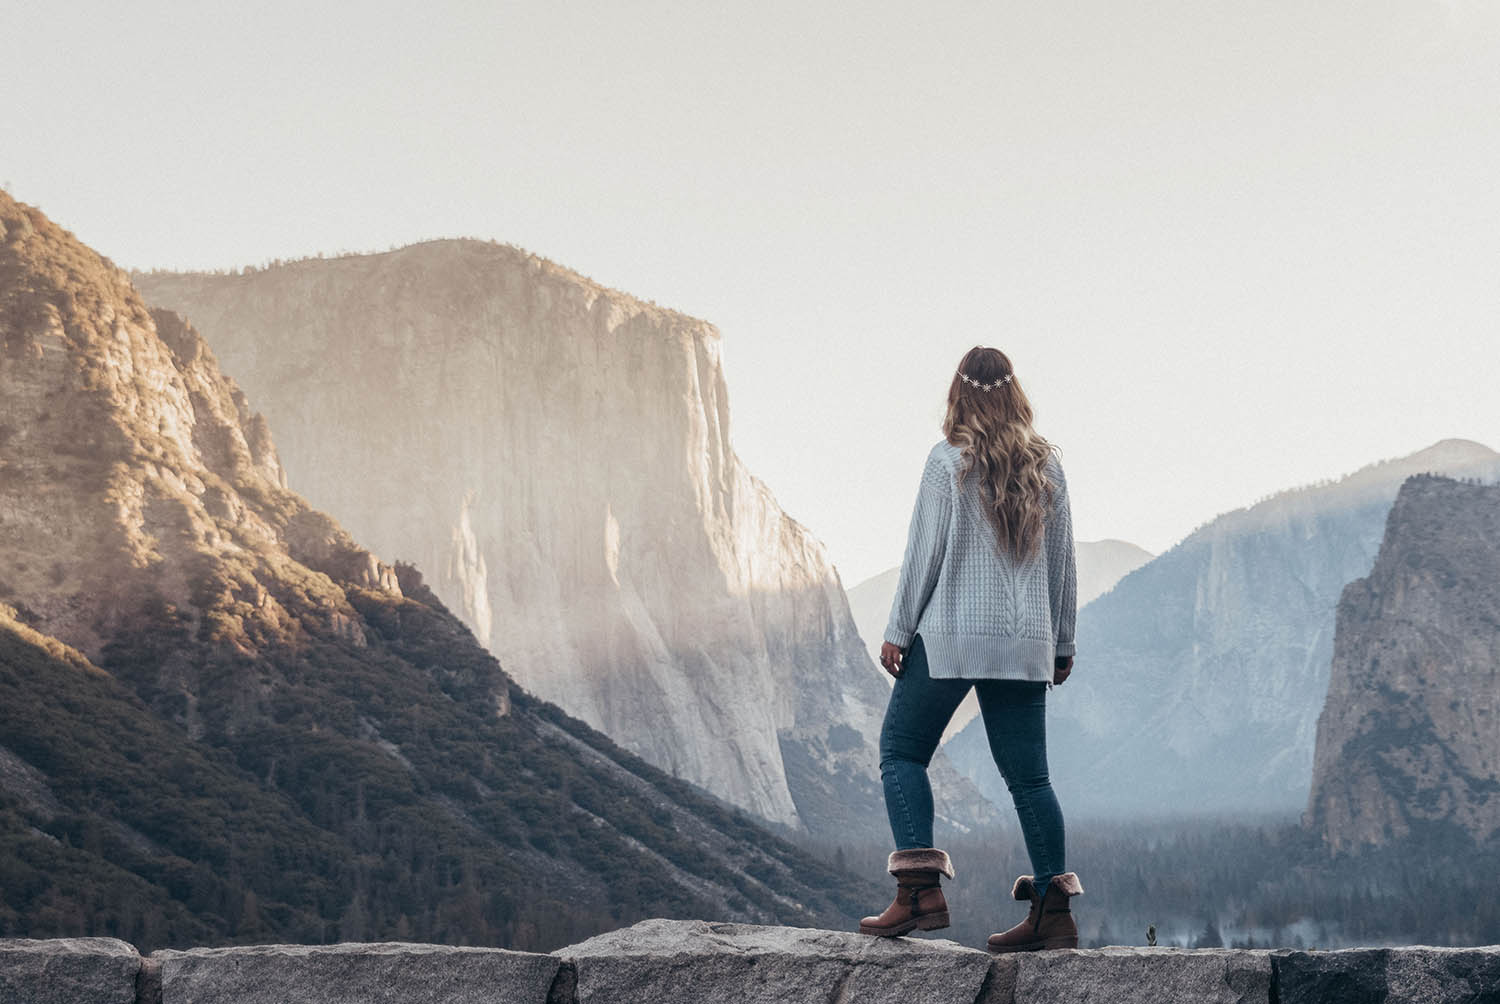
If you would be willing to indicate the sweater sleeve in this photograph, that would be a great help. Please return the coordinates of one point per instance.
(1062, 568)
(926, 542)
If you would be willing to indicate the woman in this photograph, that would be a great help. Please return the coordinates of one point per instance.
(987, 599)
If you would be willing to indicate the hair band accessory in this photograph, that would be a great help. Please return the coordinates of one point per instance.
(984, 386)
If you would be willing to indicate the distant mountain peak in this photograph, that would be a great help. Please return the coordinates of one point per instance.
(443, 254)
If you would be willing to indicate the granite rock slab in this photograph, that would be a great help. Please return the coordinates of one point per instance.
(389, 972)
(694, 960)
(1407, 975)
(68, 971)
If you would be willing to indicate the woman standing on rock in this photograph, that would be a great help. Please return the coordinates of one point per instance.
(987, 599)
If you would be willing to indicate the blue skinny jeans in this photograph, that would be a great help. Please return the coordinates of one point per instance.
(1015, 721)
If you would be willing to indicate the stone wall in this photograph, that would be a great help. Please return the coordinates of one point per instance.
(692, 960)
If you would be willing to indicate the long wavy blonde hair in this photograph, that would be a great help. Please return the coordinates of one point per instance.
(993, 428)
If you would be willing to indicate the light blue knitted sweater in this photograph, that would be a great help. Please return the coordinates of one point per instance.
(981, 615)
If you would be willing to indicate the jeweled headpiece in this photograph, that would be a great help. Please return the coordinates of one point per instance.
(984, 386)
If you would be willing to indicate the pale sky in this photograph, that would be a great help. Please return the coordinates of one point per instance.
(1231, 247)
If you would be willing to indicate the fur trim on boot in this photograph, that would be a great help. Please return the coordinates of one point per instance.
(1067, 883)
(1050, 923)
(919, 902)
(921, 859)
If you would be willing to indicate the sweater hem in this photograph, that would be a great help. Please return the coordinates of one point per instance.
(987, 657)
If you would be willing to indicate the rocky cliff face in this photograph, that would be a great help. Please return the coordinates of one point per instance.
(1409, 739)
(559, 455)
(1201, 674)
(134, 478)
(220, 717)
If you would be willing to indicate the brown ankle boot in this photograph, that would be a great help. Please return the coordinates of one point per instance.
(919, 901)
(1050, 922)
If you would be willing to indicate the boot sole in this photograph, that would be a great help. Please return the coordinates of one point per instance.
(1035, 946)
(926, 922)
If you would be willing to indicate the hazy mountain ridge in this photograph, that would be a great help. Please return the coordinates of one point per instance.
(1201, 674)
(1408, 744)
(293, 739)
(559, 455)
(1103, 563)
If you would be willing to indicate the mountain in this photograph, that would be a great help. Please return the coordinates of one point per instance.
(870, 603)
(1101, 563)
(558, 454)
(221, 718)
(1200, 676)
(1408, 746)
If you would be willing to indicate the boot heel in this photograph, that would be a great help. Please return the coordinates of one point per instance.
(934, 921)
(1069, 941)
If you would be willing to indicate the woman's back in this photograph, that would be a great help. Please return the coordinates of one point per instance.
(982, 612)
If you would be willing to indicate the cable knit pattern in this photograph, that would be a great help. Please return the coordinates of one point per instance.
(982, 615)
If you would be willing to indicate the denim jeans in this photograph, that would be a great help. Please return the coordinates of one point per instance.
(1015, 721)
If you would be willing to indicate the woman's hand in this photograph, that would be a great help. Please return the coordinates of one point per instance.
(890, 658)
(1062, 668)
